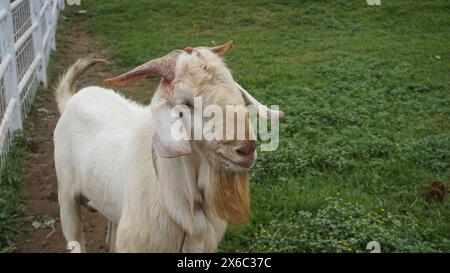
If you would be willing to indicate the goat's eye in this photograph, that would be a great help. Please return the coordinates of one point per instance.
(181, 114)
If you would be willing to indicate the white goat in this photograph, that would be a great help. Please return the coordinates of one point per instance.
(104, 153)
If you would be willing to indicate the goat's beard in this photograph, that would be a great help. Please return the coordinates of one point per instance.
(231, 200)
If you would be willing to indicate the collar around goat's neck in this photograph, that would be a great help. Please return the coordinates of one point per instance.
(155, 161)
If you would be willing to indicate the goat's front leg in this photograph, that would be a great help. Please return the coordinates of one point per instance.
(129, 239)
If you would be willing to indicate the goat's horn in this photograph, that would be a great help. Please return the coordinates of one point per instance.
(223, 49)
(263, 111)
(163, 67)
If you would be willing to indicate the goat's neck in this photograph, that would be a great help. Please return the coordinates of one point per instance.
(199, 196)
(183, 181)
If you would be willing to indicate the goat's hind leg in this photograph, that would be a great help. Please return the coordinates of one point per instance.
(70, 213)
(111, 236)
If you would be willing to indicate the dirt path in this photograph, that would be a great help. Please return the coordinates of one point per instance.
(39, 233)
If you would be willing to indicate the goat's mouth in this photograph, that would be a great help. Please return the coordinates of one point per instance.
(243, 165)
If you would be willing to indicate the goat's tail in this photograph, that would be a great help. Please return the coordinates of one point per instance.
(67, 85)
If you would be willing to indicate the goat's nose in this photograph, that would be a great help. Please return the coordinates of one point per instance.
(247, 147)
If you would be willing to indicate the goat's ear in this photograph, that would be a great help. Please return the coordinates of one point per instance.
(223, 49)
(263, 111)
(170, 138)
(163, 67)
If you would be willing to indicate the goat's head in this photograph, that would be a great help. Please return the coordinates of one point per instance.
(186, 76)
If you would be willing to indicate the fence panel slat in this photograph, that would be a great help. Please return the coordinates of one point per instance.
(10, 78)
(38, 44)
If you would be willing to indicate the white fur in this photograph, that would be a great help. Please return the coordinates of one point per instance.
(103, 152)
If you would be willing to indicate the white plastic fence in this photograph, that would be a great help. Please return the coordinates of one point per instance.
(27, 37)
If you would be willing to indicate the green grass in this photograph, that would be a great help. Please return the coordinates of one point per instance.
(11, 190)
(366, 95)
